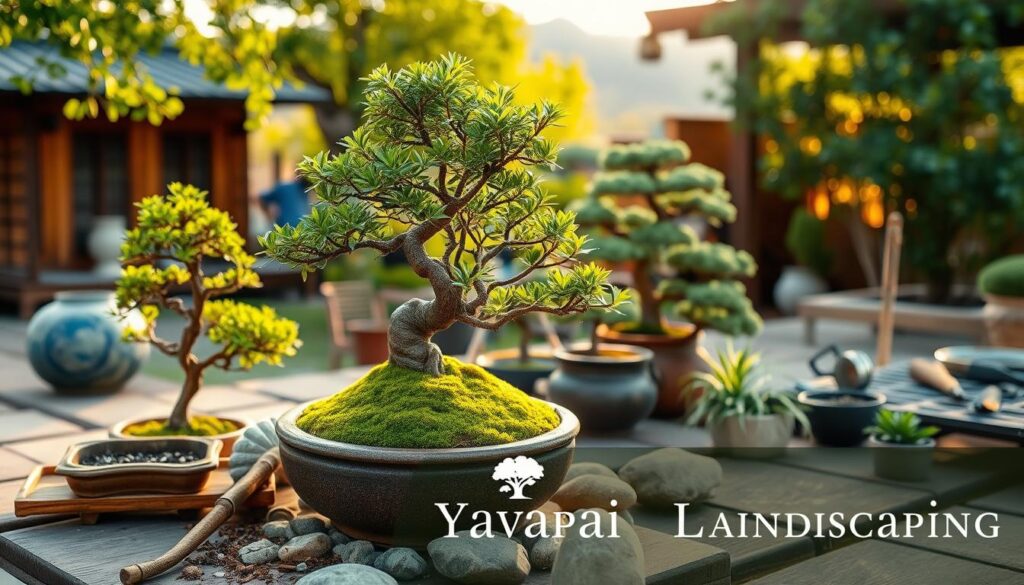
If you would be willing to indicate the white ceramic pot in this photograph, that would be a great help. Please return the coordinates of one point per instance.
(796, 283)
(104, 244)
(1004, 320)
(757, 436)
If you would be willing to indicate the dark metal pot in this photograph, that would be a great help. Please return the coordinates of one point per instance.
(505, 364)
(612, 390)
(838, 418)
(390, 496)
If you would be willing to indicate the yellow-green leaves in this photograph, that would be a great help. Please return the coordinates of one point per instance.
(252, 335)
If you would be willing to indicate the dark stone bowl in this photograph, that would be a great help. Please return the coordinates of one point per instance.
(838, 418)
(389, 496)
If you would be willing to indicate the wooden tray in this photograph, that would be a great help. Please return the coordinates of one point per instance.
(44, 492)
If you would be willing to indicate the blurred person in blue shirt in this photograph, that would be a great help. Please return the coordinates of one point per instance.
(286, 203)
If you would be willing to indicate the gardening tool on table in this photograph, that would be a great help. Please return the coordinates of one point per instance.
(852, 369)
(935, 375)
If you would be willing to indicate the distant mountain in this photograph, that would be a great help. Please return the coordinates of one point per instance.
(633, 96)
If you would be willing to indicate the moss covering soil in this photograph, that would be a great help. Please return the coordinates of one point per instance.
(393, 406)
(198, 426)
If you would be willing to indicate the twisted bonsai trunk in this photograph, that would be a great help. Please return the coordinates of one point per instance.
(193, 381)
(409, 336)
(650, 310)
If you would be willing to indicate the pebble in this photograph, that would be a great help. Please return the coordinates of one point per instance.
(403, 564)
(595, 491)
(347, 575)
(360, 552)
(338, 537)
(219, 574)
(302, 567)
(307, 525)
(587, 468)
(480, 561)
(192, 573)
(585, 561)
(543, 552)
(259, 552)
(278, 529)
(111, 458)
(672, 476)
(307, 546)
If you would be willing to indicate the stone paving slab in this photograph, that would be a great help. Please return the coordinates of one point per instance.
(258, 413)
(22, 425)
(303, 387)
(48, 451)
(1007, 501)
(90, 411)
(214, 398)
(13, 465)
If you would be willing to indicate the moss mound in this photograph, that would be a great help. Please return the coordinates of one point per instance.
(198, 426)
(393, 406)
(1004, 277)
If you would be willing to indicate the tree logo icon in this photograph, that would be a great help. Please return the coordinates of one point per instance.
(517, 474)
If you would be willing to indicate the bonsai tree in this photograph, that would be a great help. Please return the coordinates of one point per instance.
(441, 156)
(164, 253)
(637, 203)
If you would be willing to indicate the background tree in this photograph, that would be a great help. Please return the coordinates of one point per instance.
(164, 253)
(922, 114)
(637, 203)
(440, 154)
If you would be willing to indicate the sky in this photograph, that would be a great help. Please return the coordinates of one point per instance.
(620, 18)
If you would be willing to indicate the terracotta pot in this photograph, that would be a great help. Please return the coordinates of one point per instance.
(900, 462)
(369, 341)
(505, 364)
(390, 495)
(757, 436)
(675, 358)
(228, 439)
(1004, 320)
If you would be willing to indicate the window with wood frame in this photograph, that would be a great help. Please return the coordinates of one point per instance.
(187, 158)
(99, 181)
(13, 203)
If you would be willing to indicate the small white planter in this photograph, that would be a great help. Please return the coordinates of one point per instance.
(757, 436)
(900, 462)
(104, 244)
(796, 283)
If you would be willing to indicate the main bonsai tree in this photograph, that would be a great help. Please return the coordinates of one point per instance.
(165, 253)
(638, 204)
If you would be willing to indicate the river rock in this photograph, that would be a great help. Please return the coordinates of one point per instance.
(338, 537)
(307, 546)
(259, 552)
(492, 560)
(543, 552)
(672, 476)
(360, 552)
(403, 564)
(588, 468)
(278, 529)
(585, 561)
(307, 525)
(594, 491)
(347, 575)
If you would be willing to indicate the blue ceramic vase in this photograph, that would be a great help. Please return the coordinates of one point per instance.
(74, 343)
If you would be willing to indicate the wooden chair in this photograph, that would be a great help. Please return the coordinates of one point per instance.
(347, 301)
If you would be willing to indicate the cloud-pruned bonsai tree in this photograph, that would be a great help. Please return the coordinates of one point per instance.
(442, 156)
(638, 203)
(165, 253)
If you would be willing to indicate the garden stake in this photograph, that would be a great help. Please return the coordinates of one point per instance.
(220, 513)
(890, 287)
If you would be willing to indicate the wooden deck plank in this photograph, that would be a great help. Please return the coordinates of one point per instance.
(1008, 501)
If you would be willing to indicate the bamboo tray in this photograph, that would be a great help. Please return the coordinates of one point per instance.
(45, 492)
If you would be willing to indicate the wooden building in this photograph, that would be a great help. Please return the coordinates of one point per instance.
(58, 175)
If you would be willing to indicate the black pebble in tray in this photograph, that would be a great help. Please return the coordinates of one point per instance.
(111, 458)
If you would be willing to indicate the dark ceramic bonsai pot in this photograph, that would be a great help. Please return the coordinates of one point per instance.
(902, 462)
(505, 364)
(838, 418)
(390, 496)
(610, 390)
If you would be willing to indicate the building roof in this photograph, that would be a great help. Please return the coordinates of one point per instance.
(23, 58)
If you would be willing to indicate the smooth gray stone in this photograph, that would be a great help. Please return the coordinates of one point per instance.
(672, 476)
(588, 468)
(307, 546)
(542, 555)
(259, 552)
(338, 537)
(585, 561)
(347, 575)
(595, 491)
(307, 525)
(403, 564)
(278, 529)
(480, 561)
(360, 552)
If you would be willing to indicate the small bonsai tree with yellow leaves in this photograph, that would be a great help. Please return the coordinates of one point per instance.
(440, 156)
(164, 255)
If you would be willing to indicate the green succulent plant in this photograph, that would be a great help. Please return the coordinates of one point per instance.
(805, 240)
(1004, 277)
(902, 428)
(736, 386)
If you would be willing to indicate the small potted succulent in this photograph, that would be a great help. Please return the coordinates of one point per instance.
(805, 240)
(640, 204)
(902, 448)
(1002, 285)
(521, 366)
(742, 413)
(440, 156)
(175, 237)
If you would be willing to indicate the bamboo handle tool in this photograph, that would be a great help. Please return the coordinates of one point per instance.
(890, 287)
(935, 375)
(218, 515)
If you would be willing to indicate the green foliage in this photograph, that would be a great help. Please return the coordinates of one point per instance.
(805, 240)
(198, 426)
(1004, 277)
(165, 252)
(651, 235)
(903, 428)
(736, 386)
(464, 407)
(924, 110)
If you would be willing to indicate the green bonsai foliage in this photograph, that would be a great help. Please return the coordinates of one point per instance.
(903, 428)
(441, 155)
(637, 204)
(735, 385)
(165, 253)
(805, 240)
(1004, 277)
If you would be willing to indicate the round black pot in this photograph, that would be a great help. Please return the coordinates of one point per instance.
(390, 496)
(506, 365)
(838, 418)
(612, 390)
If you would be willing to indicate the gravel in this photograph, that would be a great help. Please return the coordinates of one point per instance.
(111, 458)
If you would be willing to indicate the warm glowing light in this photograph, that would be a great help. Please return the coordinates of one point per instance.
(904, 134)
(820, 204)
(905, 114)
(911, 206)
(771, 147)
(873, 214)
(970, 142)
(844, 194)
(811, 145)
